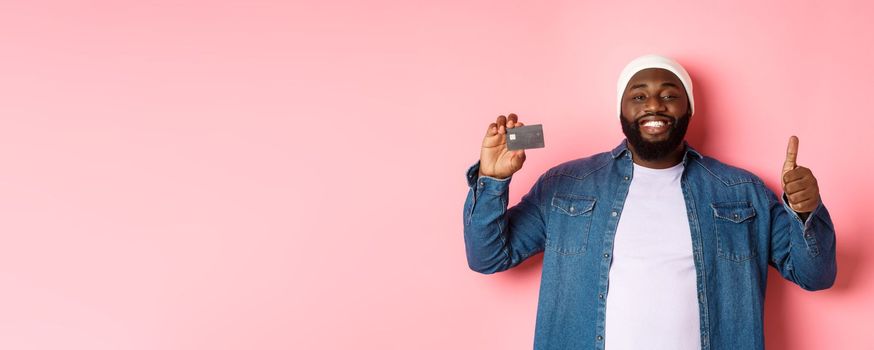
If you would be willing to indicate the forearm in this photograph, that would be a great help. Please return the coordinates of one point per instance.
(485, 225)
(496, 237)
(812, 262)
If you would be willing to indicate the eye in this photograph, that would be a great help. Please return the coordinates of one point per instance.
(669, 97)
(638, 98)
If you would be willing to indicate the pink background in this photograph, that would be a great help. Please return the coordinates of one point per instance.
(275, 175)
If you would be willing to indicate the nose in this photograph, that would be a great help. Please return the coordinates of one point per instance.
(654, 104)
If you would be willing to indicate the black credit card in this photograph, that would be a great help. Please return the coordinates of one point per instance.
(525, 137)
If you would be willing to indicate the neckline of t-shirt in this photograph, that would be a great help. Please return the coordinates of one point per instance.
(674, 169)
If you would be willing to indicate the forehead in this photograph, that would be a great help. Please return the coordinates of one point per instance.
(654, 77)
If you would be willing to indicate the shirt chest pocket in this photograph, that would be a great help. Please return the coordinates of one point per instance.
(735, 226)
(569, 223)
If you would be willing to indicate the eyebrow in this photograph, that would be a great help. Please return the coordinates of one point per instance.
(643, 85)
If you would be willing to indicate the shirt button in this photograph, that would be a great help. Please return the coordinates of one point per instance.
(599, 338)
(626, 178)
(606, 255)
(482, 183)
(600, 296)
(572, 209)
(614, 213)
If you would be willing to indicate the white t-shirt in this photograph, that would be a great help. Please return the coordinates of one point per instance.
(652, 301)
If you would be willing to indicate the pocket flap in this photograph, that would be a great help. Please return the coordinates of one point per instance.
(573, 205)
(736, 212)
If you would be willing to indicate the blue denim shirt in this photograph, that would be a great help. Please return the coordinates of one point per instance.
(738, 228)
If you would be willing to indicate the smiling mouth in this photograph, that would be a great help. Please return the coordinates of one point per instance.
(655, 125)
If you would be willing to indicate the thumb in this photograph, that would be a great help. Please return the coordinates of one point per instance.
(791, 154)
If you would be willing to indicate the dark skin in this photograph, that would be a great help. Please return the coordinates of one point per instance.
(798, 183)
(649, 91)
(495, 159)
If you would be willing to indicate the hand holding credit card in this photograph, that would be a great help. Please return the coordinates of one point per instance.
(525, 137)
(503, 149)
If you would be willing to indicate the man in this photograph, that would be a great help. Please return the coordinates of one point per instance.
(651, 245)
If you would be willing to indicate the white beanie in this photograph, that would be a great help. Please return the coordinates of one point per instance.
(653, 61)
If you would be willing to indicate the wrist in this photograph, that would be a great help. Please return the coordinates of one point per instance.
(803, 216)
(496, 177)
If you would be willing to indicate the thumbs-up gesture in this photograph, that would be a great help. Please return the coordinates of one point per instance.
(798, 182)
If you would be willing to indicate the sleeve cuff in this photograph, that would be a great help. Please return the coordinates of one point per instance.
(797, 216)
(485, 183)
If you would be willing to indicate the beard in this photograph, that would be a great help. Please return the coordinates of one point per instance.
(651, 151)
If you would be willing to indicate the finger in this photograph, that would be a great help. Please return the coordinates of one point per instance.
(515, 125)
(795, 186)
(501, 122)
(799, 173)
(492, 130)
(518, 157)
(805, 206)
(512, 119)
(810, 204)
(800, 197)
(519, 124)
(791, 154)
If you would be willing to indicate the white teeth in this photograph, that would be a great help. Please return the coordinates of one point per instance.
(654, 123)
